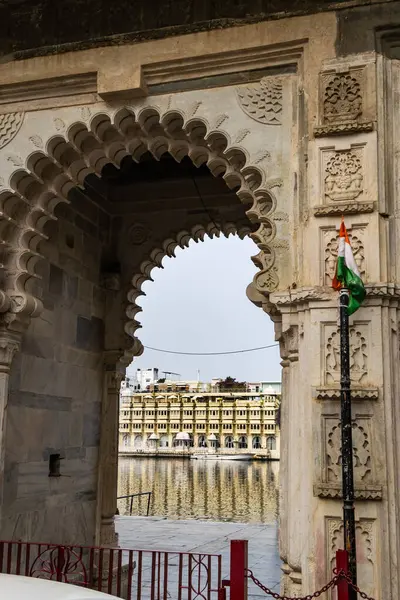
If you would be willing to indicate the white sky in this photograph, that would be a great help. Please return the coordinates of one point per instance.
(198, 303)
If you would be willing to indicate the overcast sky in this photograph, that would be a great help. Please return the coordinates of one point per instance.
(198, 303)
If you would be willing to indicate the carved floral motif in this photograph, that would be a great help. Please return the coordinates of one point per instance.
(9, 127)
(358, 354)
(343, 176)
(365, 540)
(262, 101)
(342, 97)
(361, 451)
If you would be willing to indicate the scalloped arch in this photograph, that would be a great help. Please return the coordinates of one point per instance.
(108, 136)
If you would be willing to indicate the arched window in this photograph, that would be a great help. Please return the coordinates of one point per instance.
(271, 442)
(138, 443)
(125, 439)
(256, 442)
(243, 441)
(229, 441)
(202, 441)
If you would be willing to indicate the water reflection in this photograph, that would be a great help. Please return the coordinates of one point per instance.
(195, 489)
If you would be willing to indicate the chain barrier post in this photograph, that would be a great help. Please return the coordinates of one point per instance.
(342, 566)
(349, 526)
(238, 570)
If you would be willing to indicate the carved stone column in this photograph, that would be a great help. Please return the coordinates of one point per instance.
(108, 459)
(9, 345)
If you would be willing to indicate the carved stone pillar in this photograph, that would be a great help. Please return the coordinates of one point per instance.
(108, 459)
(9, 345)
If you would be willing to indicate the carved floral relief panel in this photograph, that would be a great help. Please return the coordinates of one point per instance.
(359, 353)
(343, 178)
(362, 439)
(366, 541)
(330, 243)
(343, 102)
(342, 96)
(346, 185)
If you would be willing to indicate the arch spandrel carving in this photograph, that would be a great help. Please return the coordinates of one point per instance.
(78, 141)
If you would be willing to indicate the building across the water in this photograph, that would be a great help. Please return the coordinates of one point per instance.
(173, 418)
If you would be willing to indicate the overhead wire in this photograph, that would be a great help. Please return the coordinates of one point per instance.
(211, 353)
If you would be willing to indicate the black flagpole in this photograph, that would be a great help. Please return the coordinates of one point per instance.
(349, 530)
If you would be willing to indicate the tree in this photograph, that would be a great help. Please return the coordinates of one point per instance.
(230, 383)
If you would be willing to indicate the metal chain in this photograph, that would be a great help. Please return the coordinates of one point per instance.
(316, 594)
(347, 577)
(338, 575)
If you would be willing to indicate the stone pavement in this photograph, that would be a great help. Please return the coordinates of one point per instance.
(158, 533)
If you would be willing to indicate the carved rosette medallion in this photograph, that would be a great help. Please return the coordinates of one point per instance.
(138, 234)
(10, 124)
(262, 101)
(343, 177)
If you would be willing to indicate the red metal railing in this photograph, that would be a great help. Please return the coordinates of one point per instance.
(128, 574)
(240, 575)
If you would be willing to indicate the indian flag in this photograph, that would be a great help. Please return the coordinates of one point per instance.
(347, 273)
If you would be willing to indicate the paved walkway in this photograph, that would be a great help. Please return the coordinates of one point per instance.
(157, 533)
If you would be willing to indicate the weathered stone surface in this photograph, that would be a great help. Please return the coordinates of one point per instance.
(56, 280)
(80, 23)
(90, 334)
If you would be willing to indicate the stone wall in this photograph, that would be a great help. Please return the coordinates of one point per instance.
(56, 389)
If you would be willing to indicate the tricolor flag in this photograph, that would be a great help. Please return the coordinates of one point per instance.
(347, 273)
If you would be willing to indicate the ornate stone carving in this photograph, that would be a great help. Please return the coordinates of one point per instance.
(342, 103)
(345, 208)
(358, 353)
(343, 128)
(263, 101)
(15, 160)
(342, 97)
(267, 281)
(59, 124)
(343, 176)
(10, 124)
(37, 141)
(86, 113)
(330, 247)
(219, 120)
(365, 540)
(138, 234)
(76, 158)
(260, 156)
(331, 393)
(241, 134)
(361, 451)
(9, 346)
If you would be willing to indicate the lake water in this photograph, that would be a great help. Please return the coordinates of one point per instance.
(238, 491)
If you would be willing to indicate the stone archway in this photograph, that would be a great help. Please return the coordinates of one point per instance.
(279, 172)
